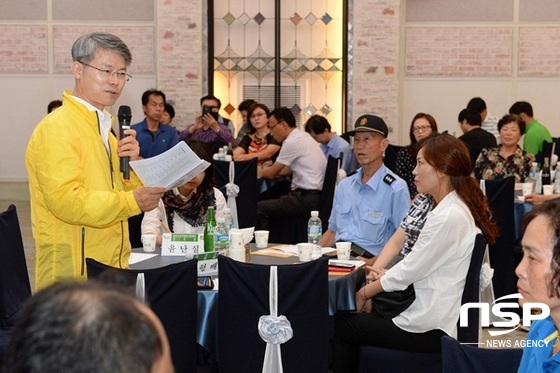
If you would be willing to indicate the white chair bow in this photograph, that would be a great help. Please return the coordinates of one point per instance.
(232, 191)
(274, 329)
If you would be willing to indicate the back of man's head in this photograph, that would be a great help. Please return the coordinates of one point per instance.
(477, 104)
(471, 116)
(246, 104)
(317, 124)
(283, 114)
(83, 327)
(521, 107)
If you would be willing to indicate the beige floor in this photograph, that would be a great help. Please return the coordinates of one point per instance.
(509, 340)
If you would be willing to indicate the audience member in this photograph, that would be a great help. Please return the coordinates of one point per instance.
(535, 133)
(489, 122)
(153, 136)
(79, 200)
(168, 114)
(508, 159)
(437, 264)
(210, 127)
(422, 126)
(258, 142)
(183, 209)
(53, 105)
(369, 205)
(331, 144)
(87, 327)
(300, 156)
(243, 108)
(475, 137)
(539, 282)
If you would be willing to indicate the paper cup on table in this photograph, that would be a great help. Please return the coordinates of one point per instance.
(547, 189)
(237, 254)
(236, 241)
(149, 242)
(261, 239)
(343, 250)
(305, 251)
(527, 188)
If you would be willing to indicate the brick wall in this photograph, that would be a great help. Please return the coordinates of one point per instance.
(140, 41)
(539, 51)
(181, 60)
(459, 51)
(375, 80)
(23, 49)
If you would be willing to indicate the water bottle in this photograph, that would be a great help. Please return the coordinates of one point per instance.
(221, 237)
(557, 179)
(538, 183)
(314, 232)
(210, 229)
(533, 173)
(228, 218)
(546, 172)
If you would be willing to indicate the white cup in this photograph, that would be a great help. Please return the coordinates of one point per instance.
(237, 254)
(547, 189)
(527, 188)
(343, 250)
(236, 241)
(261, 239)
(305, 251)
(149, 242)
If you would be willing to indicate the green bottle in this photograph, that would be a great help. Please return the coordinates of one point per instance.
(210, 229)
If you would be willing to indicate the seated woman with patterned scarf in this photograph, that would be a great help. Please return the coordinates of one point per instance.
(183, 209)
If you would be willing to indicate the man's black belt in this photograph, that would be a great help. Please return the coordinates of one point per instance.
(359, 251)
(306, 191)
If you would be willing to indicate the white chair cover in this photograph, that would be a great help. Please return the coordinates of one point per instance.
(486, 273)
(232, 191)
(141, 287)
(274, 329)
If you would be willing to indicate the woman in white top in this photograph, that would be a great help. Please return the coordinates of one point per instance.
(183, 209)
(437, 264)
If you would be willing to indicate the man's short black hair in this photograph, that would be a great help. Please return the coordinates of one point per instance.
(246, 104)
(83, 326)
(471, 116)
(521, 107)
(210, 97)
(146, 95)
(318, 124)
(283, 114)
(477, 104)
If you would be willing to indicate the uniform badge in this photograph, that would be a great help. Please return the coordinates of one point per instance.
(389, 179)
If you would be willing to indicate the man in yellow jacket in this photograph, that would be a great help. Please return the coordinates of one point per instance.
(79, 200)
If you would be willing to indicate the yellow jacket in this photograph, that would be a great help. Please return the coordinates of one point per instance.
(79, 201)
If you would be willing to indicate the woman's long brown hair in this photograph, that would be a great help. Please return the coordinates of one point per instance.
(449, 155)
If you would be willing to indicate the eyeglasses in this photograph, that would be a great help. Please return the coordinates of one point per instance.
(271, 127)
(421, 129)
(108, 74)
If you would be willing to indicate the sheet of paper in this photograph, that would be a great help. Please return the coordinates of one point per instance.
(171, 169)
(139, 257)
(356, 262)
(292, 249)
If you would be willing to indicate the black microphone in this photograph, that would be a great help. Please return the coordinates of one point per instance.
(125, 115)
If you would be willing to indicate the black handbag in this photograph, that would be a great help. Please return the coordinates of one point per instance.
(393, 303)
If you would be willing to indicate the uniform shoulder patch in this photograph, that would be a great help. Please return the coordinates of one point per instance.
(388, 179)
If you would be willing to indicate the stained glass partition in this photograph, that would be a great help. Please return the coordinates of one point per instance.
(281, 53)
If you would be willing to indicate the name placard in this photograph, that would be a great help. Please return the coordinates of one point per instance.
(179, 244)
